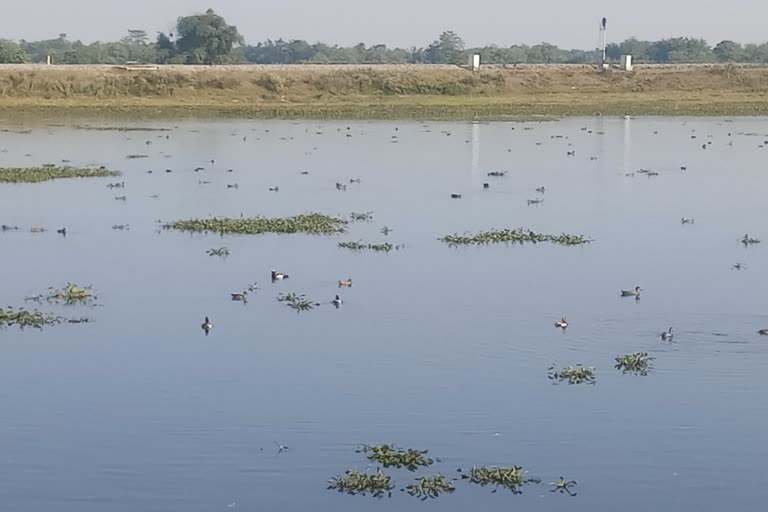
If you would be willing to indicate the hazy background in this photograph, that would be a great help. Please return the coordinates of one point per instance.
(402, 23)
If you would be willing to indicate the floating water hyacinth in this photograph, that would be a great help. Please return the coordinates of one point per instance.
(362, 246)
(391, 457)
(221, 251)
(361, 217)
(507, 236)
(431, 487)
(38, 174)
(511, 478)
(298, 302)
(354, 482)
(573, 374)
(311, 223)
(638, 363)
(24, 318)
(72, 294)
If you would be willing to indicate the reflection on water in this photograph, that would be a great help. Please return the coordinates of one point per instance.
(433, 347)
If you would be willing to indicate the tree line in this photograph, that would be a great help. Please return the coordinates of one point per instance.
(208, 39)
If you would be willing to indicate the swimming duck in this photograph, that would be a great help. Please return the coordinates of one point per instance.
(763, 332)
(337, 301)
(62, 231)
(207, 326)
(455, 196)
(274, 189)
(631, 293)
(667, 336)
(541, 190)
(345, 283)
(240, 297)
(562, 323)
(278, 276)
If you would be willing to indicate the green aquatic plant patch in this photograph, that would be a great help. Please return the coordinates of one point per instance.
(39, 174)
(353, 482)
(310, 223)
(513, 236)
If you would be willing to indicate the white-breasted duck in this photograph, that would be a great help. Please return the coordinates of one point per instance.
(207, 326)
(347, 283)
(562, 323)
(278, 276)
(667, 336)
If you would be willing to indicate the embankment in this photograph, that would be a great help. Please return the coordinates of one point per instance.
(329, 91)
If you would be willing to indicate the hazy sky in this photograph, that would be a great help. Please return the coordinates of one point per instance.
(567, 23)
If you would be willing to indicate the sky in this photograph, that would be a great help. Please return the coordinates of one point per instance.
(404, 23)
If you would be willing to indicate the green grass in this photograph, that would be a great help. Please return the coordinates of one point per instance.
(39, 174)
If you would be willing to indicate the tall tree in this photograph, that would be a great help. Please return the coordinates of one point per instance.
(206, 38)
(136, 37)
(728, 51)
(12, 53)
(448, 49)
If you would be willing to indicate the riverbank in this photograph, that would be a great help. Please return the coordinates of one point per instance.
(387, 92)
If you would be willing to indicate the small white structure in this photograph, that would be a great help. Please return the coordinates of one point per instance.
(474, 62)
(626, 62)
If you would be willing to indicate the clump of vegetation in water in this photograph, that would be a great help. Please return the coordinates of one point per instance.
(72, 294)
(361, 246)
(38, 174)
(311, 223)
(748, 240)
(514, 236)
(298, 302)
(135, 157)
(24, 318)
(431, 487)
(361, 217)
(511, 478)
(221, 251)
(638, 363)
(354, 482)
(391, 457)
(573, 374)
(497, 174)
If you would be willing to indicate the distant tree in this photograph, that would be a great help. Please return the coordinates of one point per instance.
(728, 51)
(448, 49)
(165, 49)
(680, 49)
(12, 53)
(136, 37)
(206, 38)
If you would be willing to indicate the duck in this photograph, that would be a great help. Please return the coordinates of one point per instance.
(207, 326)
(240, 297)
(562, 323)
(62, 231)
(763, 332)
(337, 301)
(278, 276)
(632, 293)
(345, 283)
(274, 189)
(455, 196)
(667, 336)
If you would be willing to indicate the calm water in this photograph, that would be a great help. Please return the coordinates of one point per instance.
(435, 347)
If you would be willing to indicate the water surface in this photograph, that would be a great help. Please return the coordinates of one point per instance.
(435, 347)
